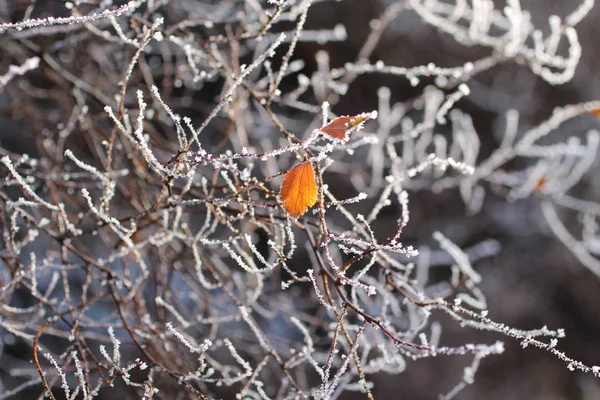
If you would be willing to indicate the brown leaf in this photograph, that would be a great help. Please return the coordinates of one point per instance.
(339, 127)
(299, 189)
(540, 183)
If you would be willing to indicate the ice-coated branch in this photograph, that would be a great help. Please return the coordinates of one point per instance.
(50, 21)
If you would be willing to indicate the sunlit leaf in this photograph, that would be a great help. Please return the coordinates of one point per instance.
(299, 189)
(339, 127)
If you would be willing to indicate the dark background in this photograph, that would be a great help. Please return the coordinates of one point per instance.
(534, 280)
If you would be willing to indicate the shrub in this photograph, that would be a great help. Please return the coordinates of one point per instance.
(234, 200)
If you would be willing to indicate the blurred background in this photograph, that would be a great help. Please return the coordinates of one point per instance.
(532, 281)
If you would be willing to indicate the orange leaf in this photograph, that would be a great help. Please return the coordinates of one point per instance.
(541, 182)
(339, 127)
(596, 112)
(299, 189)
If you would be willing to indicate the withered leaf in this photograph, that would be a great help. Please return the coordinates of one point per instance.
(339, 127)
(299, 189)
